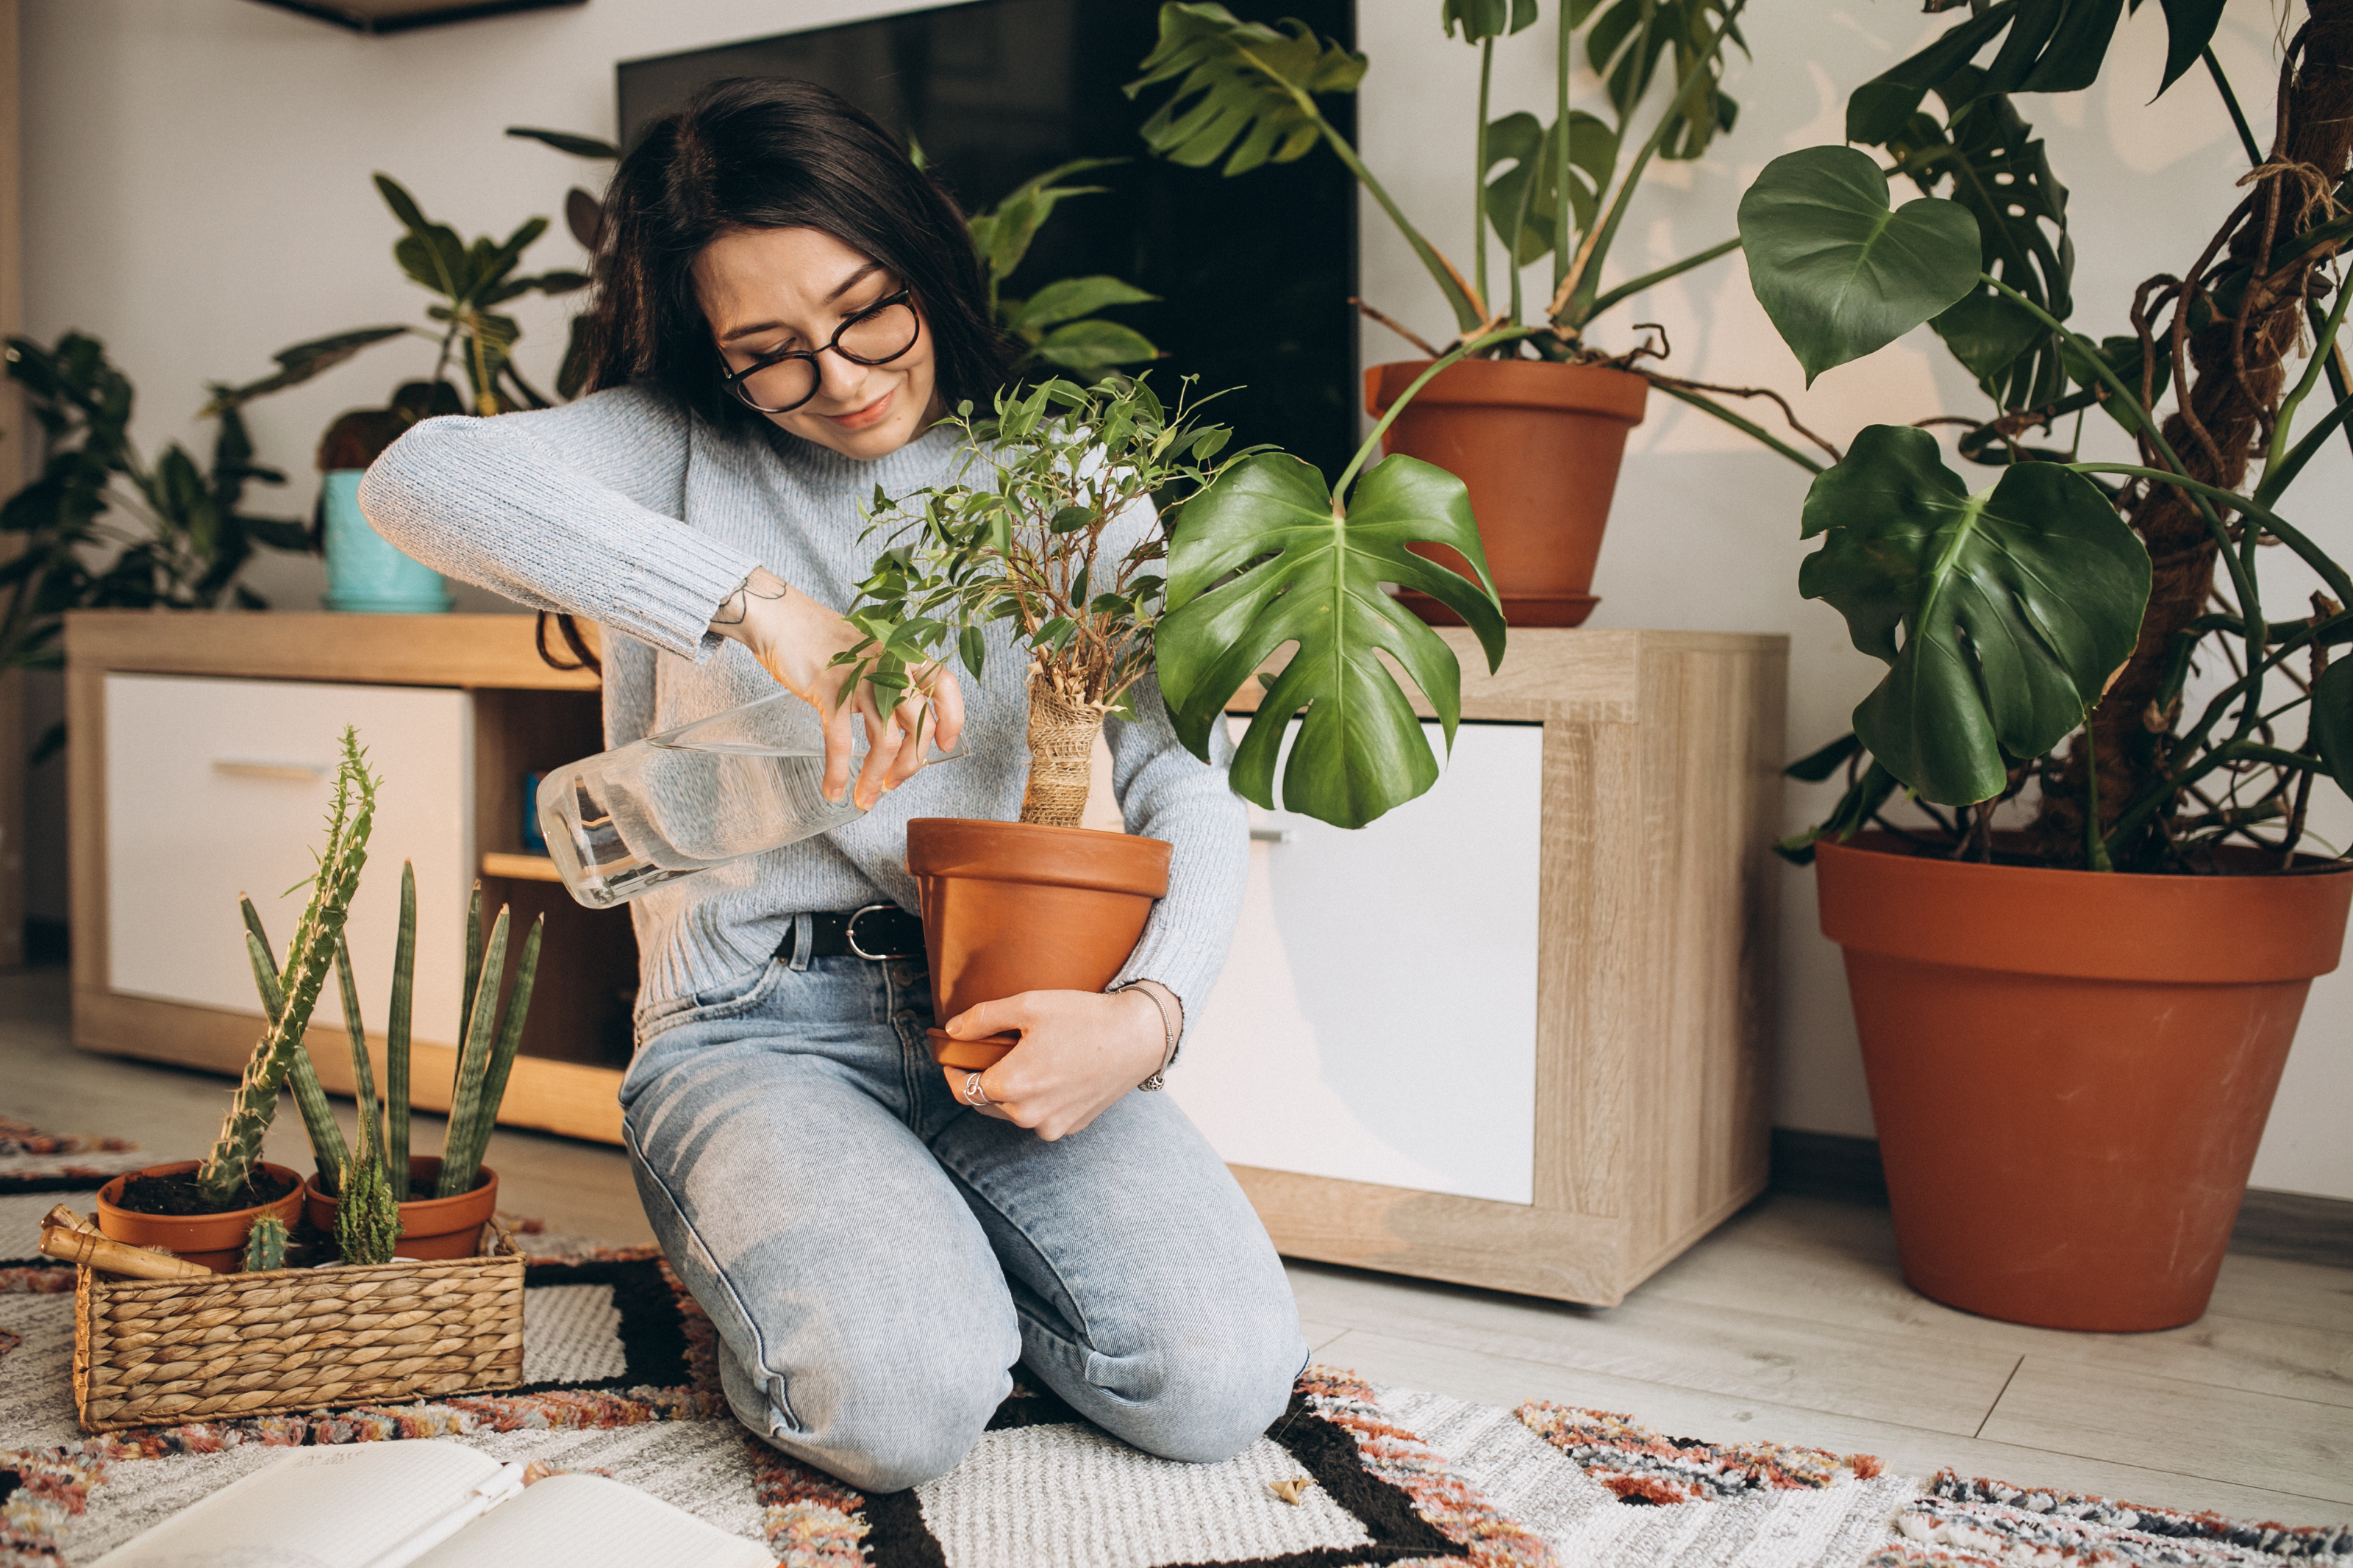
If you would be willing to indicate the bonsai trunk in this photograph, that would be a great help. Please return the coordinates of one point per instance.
(1061, 755)
(2236, 376)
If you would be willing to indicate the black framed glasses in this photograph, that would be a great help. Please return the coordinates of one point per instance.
(781, 382)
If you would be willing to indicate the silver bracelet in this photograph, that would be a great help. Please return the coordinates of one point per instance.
(1167, 1057)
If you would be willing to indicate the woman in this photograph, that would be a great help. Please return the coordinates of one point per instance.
(785, 306)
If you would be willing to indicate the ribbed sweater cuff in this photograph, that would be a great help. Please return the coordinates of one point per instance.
(680, 589)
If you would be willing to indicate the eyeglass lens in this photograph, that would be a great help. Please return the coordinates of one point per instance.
(872, 339)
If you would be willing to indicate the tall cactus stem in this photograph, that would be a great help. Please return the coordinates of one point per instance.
(362, 1068)
(230, 1163)
(462, 1159)
(318, 1117)
(395, 1036)
(474, 1054)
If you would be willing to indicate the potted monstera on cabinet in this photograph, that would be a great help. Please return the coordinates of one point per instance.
(1535, 421)
(2078, 966)
(1052, 531)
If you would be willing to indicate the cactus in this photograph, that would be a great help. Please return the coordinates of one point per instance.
(230, 1163)
(367, 1216)
(318, 1117)
(265, 1245)
(488, 1055)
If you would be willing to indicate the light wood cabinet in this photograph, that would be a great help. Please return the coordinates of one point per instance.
(1518, 1034)
(202, 754)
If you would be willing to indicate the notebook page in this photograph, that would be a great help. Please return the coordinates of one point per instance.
(587, 1521)
(341, 1507)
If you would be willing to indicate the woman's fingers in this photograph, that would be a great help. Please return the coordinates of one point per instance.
(960, 1081)
(840, 739)
(883, 744)
(947, 705)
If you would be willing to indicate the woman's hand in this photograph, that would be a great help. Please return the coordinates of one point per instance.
(796, 637)
(1080, 1052)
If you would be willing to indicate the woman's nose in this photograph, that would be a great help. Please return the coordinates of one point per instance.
(839, 380)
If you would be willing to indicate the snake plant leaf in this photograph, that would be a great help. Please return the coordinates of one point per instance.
(1301, 576)
(2332, 721)
(1241, 84)
(1484, 19)
(1840, 274)
(2014, 605)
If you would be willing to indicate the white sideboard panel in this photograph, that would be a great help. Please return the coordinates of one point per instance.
(216, 787)
(1377, 1019)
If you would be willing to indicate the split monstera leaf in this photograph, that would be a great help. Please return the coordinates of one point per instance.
(2001, 615)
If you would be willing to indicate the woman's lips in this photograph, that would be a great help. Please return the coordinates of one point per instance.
(866, 417)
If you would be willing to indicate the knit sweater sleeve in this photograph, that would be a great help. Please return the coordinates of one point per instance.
(573, 508)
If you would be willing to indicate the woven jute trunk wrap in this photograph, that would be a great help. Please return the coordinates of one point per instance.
(1061, 757)
(150, 1352)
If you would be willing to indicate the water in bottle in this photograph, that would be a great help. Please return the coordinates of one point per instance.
(720, 789)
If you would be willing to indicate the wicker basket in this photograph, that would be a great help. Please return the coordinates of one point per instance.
(152, 1352)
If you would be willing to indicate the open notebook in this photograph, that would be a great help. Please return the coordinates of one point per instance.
(431, 1504)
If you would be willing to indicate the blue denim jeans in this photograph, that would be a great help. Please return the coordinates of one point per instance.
(875, 1255)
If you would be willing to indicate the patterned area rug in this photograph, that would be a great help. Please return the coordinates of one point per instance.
(620, 1381)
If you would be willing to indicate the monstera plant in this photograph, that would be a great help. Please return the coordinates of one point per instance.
(2084, 674)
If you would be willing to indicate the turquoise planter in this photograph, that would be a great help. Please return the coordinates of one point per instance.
(364, 571)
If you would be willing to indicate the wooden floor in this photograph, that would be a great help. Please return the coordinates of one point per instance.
(1790, 1324)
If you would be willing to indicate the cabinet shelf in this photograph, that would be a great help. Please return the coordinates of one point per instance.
(519, 868)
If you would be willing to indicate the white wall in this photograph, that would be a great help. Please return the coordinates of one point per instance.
(197, 193)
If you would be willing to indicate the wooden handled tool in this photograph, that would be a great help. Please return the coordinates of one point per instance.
(67, 1237)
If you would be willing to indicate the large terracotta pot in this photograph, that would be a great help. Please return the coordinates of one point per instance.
(2069, 1072)
(1011, 907)
(431, 1229)
(1537, 444)
(215, 1240)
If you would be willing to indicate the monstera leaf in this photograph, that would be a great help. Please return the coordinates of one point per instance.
(1252, 81)
(1840, 274)
(2014, 605)
(1306, 577)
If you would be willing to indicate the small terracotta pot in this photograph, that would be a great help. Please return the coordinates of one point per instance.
(1538, 446)
(1011, 907)
(215, 1240)
(2070, 1071)
(431, 1229)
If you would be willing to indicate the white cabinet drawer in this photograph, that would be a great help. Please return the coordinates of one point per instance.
(1376, 1017)
(216, 787)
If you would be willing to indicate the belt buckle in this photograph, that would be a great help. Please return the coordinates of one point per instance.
(850, 934)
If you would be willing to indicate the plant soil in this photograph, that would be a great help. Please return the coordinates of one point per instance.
(178, 1194)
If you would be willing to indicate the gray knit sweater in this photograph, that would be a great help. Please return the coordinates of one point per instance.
(623, 509)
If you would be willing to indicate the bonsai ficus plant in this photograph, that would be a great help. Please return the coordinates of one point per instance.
(2079, 951)
(1539, 447)
(1115, 538)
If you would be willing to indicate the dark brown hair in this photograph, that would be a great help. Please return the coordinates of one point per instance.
(768, 152)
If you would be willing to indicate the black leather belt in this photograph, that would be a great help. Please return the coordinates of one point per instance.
(877, 932)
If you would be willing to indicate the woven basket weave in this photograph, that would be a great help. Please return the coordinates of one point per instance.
(150, 1352)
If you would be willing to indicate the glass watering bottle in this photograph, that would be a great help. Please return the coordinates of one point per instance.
(718, 790)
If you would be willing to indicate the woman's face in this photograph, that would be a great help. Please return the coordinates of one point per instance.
(768, 289)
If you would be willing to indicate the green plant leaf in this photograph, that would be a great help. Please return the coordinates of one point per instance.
(1239, 98)
(570, 142)
(298, 364)
(1069, 299)
(2014, 605)
(430, 253)
(1840, 274)
(1299, 575)
(1002, 233)
(1631, 38)
(1484, 19)
(1816, 766)
(1096, 345)
(2332, 721)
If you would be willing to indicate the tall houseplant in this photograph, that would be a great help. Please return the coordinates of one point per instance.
(1049, 533)
(1536, 422)
(2077, 988)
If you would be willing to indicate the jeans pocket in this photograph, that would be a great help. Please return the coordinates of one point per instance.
(728, 999)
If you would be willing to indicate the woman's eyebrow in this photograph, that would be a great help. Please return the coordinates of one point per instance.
(844, 287)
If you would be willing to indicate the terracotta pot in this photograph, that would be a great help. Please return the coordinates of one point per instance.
(2069, 1072)
(215, 1240)
(1538, 446)
(431, 1229)
(1011, 907)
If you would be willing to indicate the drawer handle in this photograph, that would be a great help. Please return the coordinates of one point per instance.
(295, 772)
(1274, 835)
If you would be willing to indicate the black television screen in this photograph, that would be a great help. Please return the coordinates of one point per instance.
(1253, 273)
